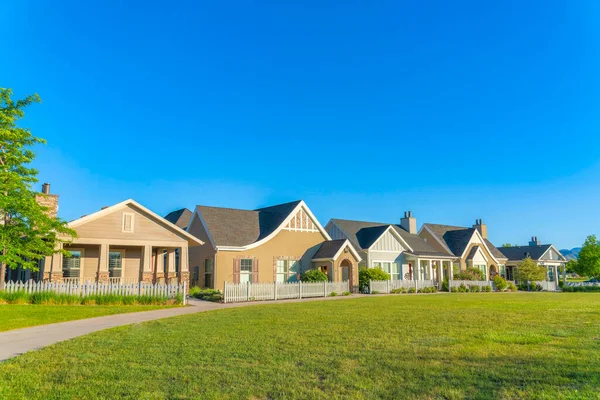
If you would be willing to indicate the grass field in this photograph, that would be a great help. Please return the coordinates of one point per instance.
(13, 316)
(511, 345)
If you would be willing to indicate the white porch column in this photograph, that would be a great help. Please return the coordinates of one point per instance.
(170, 268)
(430, 268)
(451, 270)
(556, 278)
(440, 271)
(417, 270)
(103, 273)
(146, 273)
(160, 261)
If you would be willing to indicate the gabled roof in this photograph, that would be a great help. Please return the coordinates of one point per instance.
(457, 238)
(363, 234)
(134, 204)
(237, 228)
(331, 249)
(473, 252)
(518, 253)
(181, 218)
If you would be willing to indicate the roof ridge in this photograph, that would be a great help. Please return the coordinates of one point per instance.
(450, 226)
(279, 205)
(356, 220)
(226, 208)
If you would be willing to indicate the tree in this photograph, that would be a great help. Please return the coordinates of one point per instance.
(529, 271)
(28, 232)
(510, 245)
(571, 266)
(588, 263)
(370, 274)
(469, 274)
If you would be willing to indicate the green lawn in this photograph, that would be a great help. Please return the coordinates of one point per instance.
(488, 345)
(13, 316)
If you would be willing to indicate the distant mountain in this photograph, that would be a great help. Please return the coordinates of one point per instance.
(571, 254)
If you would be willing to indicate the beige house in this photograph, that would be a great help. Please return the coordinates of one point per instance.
(123, 243)
(271, 244)
(545, 255)
(470, 246)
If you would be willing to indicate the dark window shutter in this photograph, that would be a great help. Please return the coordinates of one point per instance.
(255, 270)
(236, 270)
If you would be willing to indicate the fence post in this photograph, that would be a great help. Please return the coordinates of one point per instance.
(388, 286)
(325, 288)
(275, 290)
(225, 292)
(300, 289)
(247, 291)
(370, 286)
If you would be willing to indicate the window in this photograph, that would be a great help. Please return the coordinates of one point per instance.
(424, 270)
(196, 274)
(483, 269)
(72, 265)
(550, 274)
(287, 270)
(391, 268)
(177, 261)
(395, 271)
(208, 271)
(128, 221)
(115, 264)
(246, 270)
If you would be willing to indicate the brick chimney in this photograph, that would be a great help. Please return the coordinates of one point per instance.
(48, 200)
(535, 241)
(481, 227)
(409, 223)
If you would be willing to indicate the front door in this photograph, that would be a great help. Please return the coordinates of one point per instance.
(344, 273)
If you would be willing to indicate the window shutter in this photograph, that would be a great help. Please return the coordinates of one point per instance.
(236, 270)
(255, 270)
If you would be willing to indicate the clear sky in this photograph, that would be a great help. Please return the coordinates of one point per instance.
(455, 110)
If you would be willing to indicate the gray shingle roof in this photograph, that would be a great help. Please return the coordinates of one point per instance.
(520, 252)
(457, 238)
(234, 227)
(363, 234)
(472, 253)
(181, 218)
(329, 248)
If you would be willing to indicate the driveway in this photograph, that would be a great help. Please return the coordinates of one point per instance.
(19, 341)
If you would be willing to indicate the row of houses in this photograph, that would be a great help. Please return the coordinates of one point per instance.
(213, 245)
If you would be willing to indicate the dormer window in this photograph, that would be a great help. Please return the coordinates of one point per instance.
(128, 221)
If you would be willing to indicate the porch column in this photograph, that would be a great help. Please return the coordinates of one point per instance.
(160, 265)
(103, 274)
(440, 271)
(556, 277)
(56, 272)
(451, 270)
(417, 270)
(184, 269)
(564, 268)
(146, 275)
(430, 268)
(170, 269)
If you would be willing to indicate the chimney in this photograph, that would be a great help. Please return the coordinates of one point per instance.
(481, 227)
(48, 200)
(409, 223)
(535, 241)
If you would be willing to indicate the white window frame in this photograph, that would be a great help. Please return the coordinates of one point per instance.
(484, 270)
(246, 274)
(122, 252)
(287, 270)
(380, 264)
(123, 225)
(81, 258)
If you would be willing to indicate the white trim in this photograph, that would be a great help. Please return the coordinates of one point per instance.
(564, 259)
(352, 250)
(476, 232)
(292, 214)
(124, 217)
(108, 210)
(396, 234)
(441, 242)
(199, 215)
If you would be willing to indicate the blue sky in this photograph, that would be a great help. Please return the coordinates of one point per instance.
(454, 110)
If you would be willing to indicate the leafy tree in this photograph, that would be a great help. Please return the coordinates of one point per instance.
(588, 263)
(469, 274)
(510, 245)
(529, 271)
(314, 275)
(370, 274)
(28, 232)
(571, 266)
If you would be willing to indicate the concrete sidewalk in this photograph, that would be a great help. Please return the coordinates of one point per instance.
(19, 341)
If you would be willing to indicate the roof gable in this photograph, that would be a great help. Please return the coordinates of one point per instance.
(517, 253)
(389, 240)
(331, 250)
(181, 218)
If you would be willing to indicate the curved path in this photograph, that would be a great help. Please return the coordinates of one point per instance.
(19, 341)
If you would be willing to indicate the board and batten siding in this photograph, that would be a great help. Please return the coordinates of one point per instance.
(551, 255)
(388, 242)
(335, 232)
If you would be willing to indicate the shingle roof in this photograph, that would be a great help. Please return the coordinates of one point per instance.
(181, 218)
(329, 248)
(363, 234)
(472, 253)
(234, 227)
(518, 253)
(457, 238)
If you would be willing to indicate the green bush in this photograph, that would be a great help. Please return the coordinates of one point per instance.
(52, 298)
(469, 274)
(486, 288)
(462, 288)
(397, 291)
(206, 294)
(522, 287)
(346, 293)
(314, 275)
(474, 288)
(433, 289)
(500, 283)
(333, 294)
(375, 292)
(511, 287)
(370, 274)
(571, 289)
(445, 285)
(411, 290)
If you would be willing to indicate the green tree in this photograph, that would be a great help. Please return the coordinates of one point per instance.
(588, 262)
(314, 275)
(28, 232)
(529, 271)
(571, 266)
(510, 245)
(370, 274)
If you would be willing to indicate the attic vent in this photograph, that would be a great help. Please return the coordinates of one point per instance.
(128, 222)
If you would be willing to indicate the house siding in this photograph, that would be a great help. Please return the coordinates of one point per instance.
(198, 254)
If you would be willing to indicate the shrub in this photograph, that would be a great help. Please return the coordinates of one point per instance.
(486, 288)
(469, 274)
(433, 289)
(522, 286)
(536, 287)
(397, 291)
(445, 287)
(511, 287)
(370, 274)
(206, 294)
(333, 294)
(52, 298)
(420, 291)
(462, 288)
(474, 288)
(314, 275)
(375, 292)
(500, 283)
(411, 290)
(346, 293)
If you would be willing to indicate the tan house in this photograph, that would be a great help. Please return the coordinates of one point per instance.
(271, 244)
(545, 255)
(123, 243)
(470, 246)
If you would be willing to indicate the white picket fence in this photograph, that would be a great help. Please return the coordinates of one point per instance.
(389, 285)
(455, 284)
(547, 286)
(581, 284)
(93, 288)
(239, 292)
